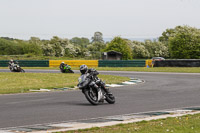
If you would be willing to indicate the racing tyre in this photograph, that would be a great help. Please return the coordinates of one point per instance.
(110, 98)
(71, 71)
(91, 96)
(22, 70)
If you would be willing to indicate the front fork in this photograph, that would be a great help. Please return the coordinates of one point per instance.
(103, 86)
(100, 95)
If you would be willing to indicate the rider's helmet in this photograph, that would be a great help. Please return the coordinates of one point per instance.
(62, 63)
(11, 61)
(83, 69)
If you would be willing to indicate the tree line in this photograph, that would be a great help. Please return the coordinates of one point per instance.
(181, 42)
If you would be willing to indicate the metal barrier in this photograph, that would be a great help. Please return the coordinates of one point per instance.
(4, 63)
(121, 63)
(77, 63)
(27, 63)
(178, 63)
(74, 63)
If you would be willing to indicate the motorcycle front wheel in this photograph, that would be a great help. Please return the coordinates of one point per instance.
(110, 98)
(11, 70)
(71, 71)
(22, 70)
(92, 96)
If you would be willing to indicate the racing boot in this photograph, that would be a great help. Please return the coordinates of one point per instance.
(107, 91)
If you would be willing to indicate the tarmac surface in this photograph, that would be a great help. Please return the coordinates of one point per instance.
(159, 92)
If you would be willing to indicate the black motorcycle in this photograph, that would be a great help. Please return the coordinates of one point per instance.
(93, 95)
(15, 68)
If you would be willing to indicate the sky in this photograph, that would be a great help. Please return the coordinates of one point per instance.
(81, 18)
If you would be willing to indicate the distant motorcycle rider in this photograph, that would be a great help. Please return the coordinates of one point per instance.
(64, 68)
(14, 66)
(11, 64)
(62, 65)
(92, 72)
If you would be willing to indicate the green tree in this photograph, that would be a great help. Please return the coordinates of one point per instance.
(183, 42)
(48, 50)
(98, 37)
(33, 46)
(139, 50)
(30, 48)
(80, 45)
(167, 34)
(72, 51)
(8, 38)
(120, 45)
(156, 48)
(96, 49)
(97, 45)
(82, 42)
(9, 47)
(35, 40)
(59, 45)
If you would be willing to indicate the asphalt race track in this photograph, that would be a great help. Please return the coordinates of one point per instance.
(159, 92)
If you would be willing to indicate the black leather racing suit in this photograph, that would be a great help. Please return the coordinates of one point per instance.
(94, 73)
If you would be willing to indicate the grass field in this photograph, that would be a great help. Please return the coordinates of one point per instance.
(184, 124)
(23, 82)
(138, 69)
(155, 69)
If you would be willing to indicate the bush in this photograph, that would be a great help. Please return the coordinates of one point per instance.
(120, 45)
(183, 42)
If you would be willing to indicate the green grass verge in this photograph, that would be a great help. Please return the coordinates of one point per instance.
(138, 69)
(155, 69)
(184, 124)
(23, 82)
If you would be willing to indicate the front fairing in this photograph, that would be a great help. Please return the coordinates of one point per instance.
(83, 81)
(82, 78)
(66, 68)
